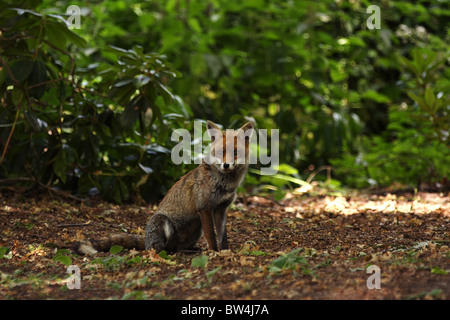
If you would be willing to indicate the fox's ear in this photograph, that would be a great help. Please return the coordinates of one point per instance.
(211, 125)
(213, 130)
(246, 127)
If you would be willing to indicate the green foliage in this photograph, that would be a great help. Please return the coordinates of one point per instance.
(112, 263)
(437, 270)
(83, 121)
(280, 182)
(415, 145)
(115, 249)
(5, 252)
(296, 262)
(163, 254)
(61, 256)
(290, 261)
(116, 262)
(199, 262)
(92, 110)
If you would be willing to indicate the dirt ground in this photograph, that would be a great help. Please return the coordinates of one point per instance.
(307, 246)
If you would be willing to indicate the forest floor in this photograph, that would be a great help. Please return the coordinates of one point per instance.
(308, 246)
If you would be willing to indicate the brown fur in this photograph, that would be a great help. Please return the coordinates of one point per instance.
(196, 204)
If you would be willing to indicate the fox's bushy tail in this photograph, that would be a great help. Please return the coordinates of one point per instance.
(128, 241)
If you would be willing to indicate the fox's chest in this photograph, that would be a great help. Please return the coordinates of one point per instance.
(222, 197)
(226, 200)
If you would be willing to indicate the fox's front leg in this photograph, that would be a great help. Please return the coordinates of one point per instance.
(220, 222)
(208, 229)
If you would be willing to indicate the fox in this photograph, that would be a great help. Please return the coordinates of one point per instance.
(196, 205)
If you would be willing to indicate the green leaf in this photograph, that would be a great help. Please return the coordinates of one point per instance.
(123, 93)
(147, 170)
(17, 96)
(115, 249)
(21, 11)
(5, 253)
(284, 167)
(282, 177)
(166, 94)
(437, 270)
(134, 260)
(288, 261)
(209, 274)
(195, 25)
(419, 100)
(122, 83)
(54, 34)
(36, 123)
(64, 260)
(257, 253)
(411, 66)
(140, 80)
(72, 37)
(430, 100)
(60, 165)
(21, 70)
(375, 96)
(38, 76)
(60, 257)
(163, 254)
(131, 113)
(199, 262)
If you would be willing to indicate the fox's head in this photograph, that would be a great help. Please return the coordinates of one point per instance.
(229, 148)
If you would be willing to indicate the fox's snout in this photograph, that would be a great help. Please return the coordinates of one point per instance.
(227, 166)
(228, 160)
(223, 163)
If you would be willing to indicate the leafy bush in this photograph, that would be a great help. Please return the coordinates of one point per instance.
(415, 146)
(92, 110)
(91, 122)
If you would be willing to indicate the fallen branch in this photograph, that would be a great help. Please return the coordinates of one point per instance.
(58, 192)
(68, 225)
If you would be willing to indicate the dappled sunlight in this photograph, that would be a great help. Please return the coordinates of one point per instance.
(422, 203)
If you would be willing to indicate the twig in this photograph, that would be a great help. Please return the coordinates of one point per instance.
(72, 60)
(12, 130)
(5, 65)
(312, 175)
(62, 193)
(36, 51)
(44, 83)
(73, 225)
(59, 192)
